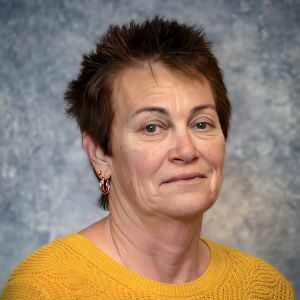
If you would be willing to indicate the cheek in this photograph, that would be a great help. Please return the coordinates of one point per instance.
(146, 160)
(216, 154)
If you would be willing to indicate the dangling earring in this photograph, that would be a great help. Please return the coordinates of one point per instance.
(104, 184)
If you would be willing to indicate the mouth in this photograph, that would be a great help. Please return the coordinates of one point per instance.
(185, 178)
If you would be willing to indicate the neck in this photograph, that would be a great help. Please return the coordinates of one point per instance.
(174, 254)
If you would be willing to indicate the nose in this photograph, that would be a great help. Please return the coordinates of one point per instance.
(183, 149)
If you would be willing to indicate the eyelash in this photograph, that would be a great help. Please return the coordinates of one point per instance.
(161, 127)
(207, 124)
(154, 125)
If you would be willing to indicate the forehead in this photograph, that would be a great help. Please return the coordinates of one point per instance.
(155, 83)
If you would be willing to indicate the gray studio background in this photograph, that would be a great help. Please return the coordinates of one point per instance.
(46, 186)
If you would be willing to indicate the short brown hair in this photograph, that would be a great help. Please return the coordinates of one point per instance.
(175, 45)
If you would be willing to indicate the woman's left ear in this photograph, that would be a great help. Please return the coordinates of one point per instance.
(99, 160)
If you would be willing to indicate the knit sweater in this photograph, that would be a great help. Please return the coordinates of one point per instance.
(72, 267)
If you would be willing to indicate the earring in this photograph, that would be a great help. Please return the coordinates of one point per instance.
(104, 184)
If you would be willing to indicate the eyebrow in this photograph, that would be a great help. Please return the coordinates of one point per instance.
(158, 109)
(202, 107)
(163, 111)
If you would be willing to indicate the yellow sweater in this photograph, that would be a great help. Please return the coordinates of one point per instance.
(72, 267)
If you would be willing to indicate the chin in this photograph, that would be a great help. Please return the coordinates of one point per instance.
(187, 206)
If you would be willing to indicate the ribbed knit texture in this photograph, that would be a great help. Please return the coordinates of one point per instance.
(74, 268)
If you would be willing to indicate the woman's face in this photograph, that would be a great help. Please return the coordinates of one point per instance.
(167, 143)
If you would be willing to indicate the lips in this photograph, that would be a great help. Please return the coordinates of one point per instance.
(184, 177)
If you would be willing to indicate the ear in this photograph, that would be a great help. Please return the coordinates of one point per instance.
(99, 160)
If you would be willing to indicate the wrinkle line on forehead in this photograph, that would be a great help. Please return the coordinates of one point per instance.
(118, 83)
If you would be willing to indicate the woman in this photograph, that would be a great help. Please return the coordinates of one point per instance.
(154, 115)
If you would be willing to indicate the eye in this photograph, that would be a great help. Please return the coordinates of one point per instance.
(151, 128)
(201, 125)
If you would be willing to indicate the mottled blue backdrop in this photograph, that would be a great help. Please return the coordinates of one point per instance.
(47, 188)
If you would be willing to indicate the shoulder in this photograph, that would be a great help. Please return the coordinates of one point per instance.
(51, 254)
(45, 266)
(253, 272)
(240, 260)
